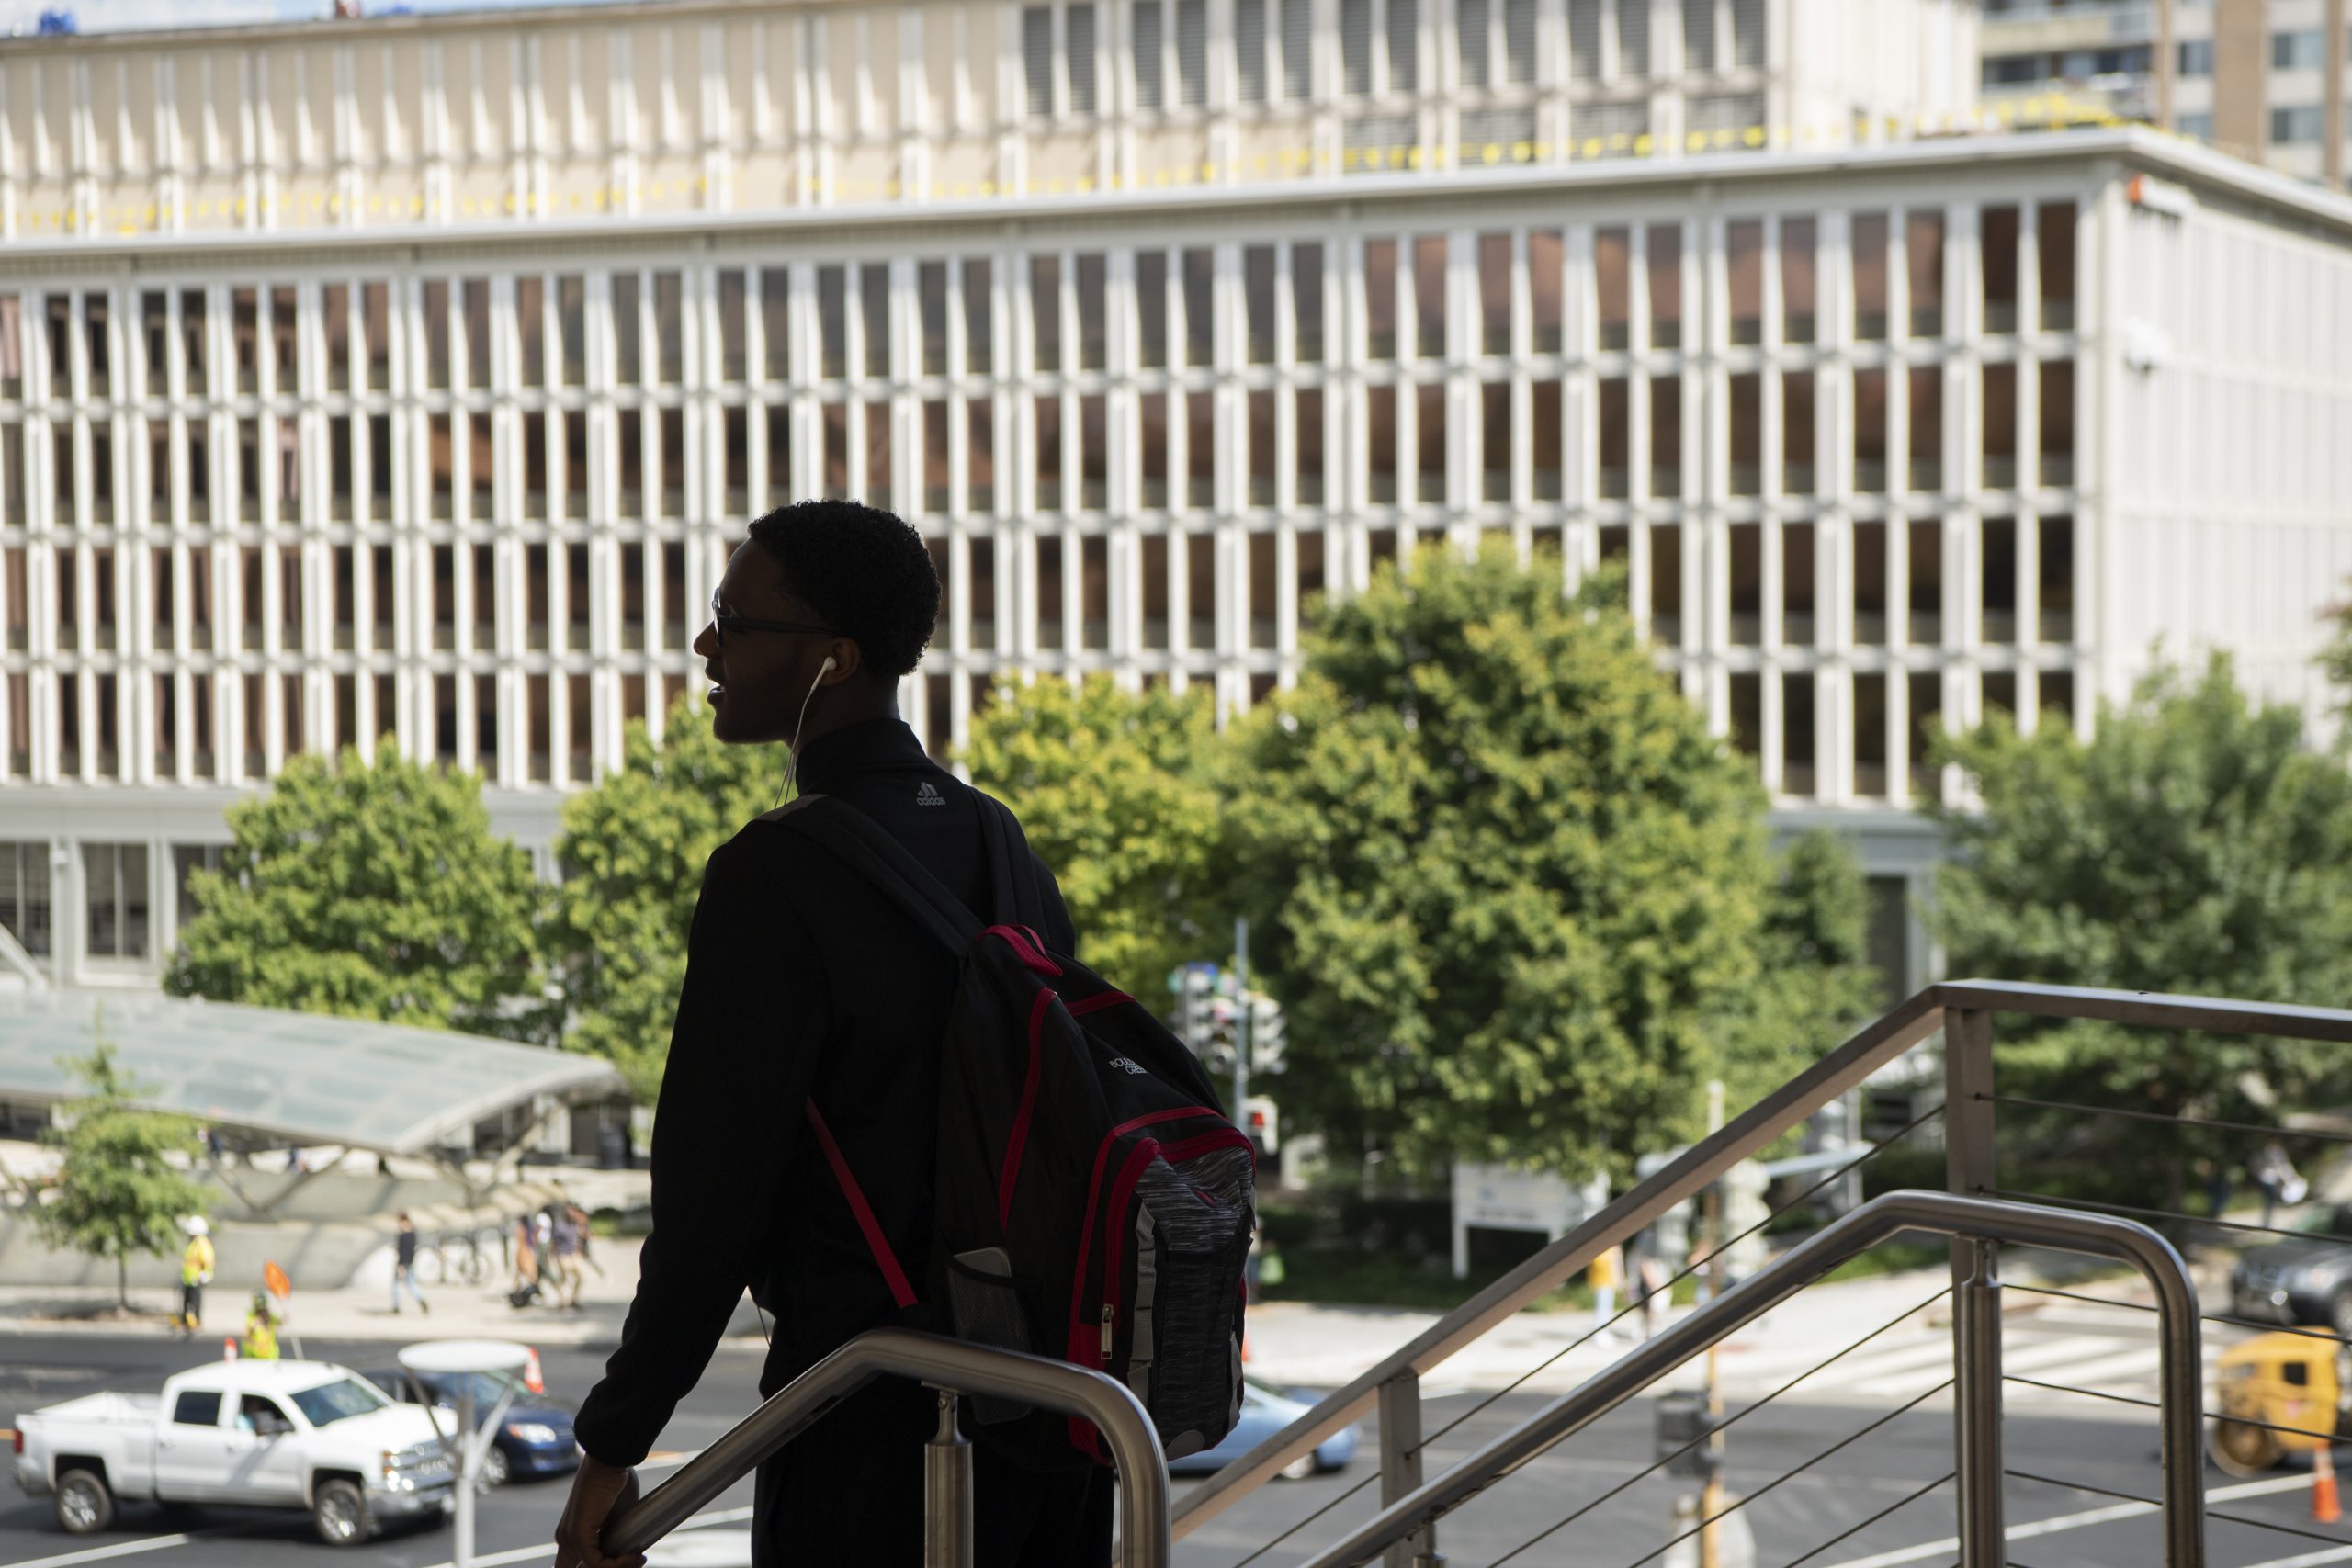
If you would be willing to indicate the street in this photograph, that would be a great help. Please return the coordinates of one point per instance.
(2095, 1443)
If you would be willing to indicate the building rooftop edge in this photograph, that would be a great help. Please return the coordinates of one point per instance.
(307, 29)
(2156, 151)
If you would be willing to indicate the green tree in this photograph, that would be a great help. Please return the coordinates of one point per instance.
(1515, 888)
(2196, 844)
(1115, 790)
(116, 1193)
(1814, 983)
(633, 851)
(369, 890)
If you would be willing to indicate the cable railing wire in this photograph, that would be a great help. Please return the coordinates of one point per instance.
(2299, 1331)
(1727, 1423)
(1848, 1534)
(2152, 1503)
(1903, 1409)
(2313, 1134)
(1627, 1311)
(2128, 1210)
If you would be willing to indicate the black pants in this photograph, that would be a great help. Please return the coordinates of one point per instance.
(849, 1490)
(192, 1305)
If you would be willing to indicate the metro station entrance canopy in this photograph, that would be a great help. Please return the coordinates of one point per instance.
(379, 1088)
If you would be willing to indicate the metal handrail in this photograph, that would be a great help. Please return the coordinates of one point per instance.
(1391, 1382)
(1874, 1224)
(955, 1367)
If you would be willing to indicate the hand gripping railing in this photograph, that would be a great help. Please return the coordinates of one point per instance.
(952, 1366)
(1976, 1357)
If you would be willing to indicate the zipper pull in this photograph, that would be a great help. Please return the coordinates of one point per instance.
(1107, 1311)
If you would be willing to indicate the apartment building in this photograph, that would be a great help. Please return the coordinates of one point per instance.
(2263, 79)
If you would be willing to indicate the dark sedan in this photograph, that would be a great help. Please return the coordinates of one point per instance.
(2299, 1280)
(534, 1439)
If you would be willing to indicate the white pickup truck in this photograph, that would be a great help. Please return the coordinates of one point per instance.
(254, 1434)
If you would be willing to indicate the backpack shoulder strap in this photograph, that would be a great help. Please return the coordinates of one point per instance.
(1013, 881)
(859, 839)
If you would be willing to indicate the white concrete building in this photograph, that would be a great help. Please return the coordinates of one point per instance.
(1886, 434)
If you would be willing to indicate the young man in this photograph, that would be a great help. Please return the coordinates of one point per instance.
(802, 980)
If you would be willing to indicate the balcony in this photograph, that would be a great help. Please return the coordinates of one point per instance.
(2054, 29)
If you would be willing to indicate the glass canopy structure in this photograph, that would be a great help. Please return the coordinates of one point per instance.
(381, 1088)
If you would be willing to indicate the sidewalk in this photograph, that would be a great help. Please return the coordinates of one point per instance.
(459, 1312)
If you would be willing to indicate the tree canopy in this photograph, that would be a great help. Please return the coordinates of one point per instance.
(1115, 790)
(370, 889)
(116, 1194)
(632, 851)
(2194, 844)
(1515, 888)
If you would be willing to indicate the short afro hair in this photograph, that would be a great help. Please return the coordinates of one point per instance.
(864, 571)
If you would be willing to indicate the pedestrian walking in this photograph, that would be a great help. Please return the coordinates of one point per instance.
(564, 1235)
(1603, 1274)
(196, 1272)
(1649, 1274)
(803, 984)
(527, 1261)
(404, 1267)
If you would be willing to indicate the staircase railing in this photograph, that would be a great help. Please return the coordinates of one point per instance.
(1976, 1354)
(1962, 1010)
(953, 1368)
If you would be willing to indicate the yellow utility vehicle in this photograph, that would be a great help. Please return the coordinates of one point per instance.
(2278, 1394)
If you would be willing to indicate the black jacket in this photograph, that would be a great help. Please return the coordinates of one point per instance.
(801, 979)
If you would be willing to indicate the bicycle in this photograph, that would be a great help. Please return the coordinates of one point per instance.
(457, 1258)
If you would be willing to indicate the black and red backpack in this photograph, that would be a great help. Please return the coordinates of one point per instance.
(1091, 1201)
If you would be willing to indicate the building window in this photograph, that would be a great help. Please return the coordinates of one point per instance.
(115, 879)
(2200, 126)
(2297, 51)
(2196, 57)
(25, 905)
(2296, 124)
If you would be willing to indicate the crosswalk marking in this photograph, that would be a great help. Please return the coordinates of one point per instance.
(1900, 1369)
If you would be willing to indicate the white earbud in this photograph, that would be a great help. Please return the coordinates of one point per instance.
(792, 767)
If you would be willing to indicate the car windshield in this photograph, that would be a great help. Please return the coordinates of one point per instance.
(332, 1401)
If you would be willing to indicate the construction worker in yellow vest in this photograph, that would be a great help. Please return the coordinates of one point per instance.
(261, 1331)
(196, 1272)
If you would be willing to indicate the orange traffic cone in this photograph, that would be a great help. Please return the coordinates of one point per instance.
(229, 1348)
(2326, 1509)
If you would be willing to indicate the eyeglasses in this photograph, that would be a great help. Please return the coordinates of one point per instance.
(729, 624)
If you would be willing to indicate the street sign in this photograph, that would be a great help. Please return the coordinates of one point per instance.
(1495, 1197)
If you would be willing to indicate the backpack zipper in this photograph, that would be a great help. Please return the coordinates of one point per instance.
(1108, 1312)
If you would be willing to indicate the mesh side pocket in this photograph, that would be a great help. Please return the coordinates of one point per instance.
(986, 1310)
(1194, 1381)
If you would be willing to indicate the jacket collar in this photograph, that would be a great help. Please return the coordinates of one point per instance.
(864, 746)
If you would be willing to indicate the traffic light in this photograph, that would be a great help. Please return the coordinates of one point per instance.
(1266, 1034)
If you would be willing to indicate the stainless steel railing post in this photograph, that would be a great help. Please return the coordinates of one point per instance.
(947, 1492)
(1400, 1465)
(1976, 1408)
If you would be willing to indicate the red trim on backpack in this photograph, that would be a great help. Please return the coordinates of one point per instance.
(1019, 1138)
(1030, 951)
(1082, 1435)
(1097, 1002)
(876, 1242)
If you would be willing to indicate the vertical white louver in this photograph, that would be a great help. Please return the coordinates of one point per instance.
(1249, 49)
(1632, 37)
(1149, 93)
(1404, 45)
(1747, 32)
(1471, 30)
(1038, 58)
(1698, 35)
(1078, 48)
(1298, 46)
(1355, 46)
(1584, 39)
(1519, 39)
(1193, 52)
